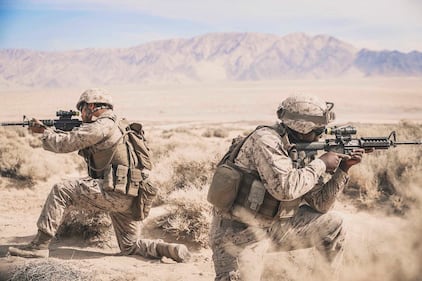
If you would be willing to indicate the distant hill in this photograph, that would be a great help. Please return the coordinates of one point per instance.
(389, 63)
(215, 56)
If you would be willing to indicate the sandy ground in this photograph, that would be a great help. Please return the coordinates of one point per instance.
(359, 100)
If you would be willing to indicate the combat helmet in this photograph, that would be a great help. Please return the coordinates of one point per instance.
(305, 113)
(95, 95)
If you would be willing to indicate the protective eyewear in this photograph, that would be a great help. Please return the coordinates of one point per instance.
(318, 131)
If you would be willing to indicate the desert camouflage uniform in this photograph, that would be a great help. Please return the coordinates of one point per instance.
(93, 194)
(240, 238)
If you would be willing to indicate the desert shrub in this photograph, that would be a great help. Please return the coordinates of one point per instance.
(176, 131)
(189, 216)
(93, 227)
(189, 161)
(22, 158)
(50, 269)
(191, 173)
(385, 176)
(161, 151)
(218, 133)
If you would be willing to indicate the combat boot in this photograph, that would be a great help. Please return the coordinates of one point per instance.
(38, 248)
(177, 252)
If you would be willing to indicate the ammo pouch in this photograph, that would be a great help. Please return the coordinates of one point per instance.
(127, 180)
(253, 196)
(224, 187)
(135, 183)
(233, 186)
(120, 178)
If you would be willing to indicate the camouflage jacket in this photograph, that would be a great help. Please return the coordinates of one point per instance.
(100, 134)
(265, 153)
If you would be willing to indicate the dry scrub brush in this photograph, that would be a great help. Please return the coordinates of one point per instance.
(22, 157)
(92, 227)
(183, 177)
(386, 176)
(48, 270)
(183, 158)
(189, 216)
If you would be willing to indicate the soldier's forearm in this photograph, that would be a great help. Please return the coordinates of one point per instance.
(323, 198)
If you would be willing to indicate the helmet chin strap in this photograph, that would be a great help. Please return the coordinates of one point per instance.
(293, 135)
(88, 114)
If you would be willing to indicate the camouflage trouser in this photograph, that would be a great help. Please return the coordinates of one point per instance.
(86, 194)
(238, 250)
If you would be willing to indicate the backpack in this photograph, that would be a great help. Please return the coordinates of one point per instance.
(227, 179)
(140, 158)
(134, 137)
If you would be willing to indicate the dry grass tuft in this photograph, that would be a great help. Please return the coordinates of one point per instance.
(383, 178)
(23, 159)
(92, 227)
(185, 159)
(50, 269)
(217, 132)
(192, 173)
(189, 217)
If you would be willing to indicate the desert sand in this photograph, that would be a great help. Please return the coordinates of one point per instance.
(368, 100)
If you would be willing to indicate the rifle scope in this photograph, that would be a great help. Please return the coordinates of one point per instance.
(67, 114)
(341, 131)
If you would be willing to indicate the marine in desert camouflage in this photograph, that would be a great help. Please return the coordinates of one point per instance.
(284, 196)
(111, 176)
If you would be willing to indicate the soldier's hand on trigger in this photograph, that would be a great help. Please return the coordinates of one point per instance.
(355, 158)
(36, 126)
(332, 160)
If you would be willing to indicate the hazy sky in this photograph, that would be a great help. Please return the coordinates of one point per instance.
(77, 24)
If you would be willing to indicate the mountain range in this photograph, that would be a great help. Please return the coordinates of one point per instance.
(210, 57)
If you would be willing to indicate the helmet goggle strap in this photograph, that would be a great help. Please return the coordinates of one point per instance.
(326, 117)
(81, 106)
(318, 131)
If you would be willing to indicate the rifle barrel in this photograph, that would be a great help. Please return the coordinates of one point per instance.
(14, 123)
(407, 142)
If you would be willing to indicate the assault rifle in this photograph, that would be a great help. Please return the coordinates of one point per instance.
(344, 142)
(64, 123)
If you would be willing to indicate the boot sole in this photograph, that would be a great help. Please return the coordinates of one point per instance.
(180, 253)
(28, 253)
